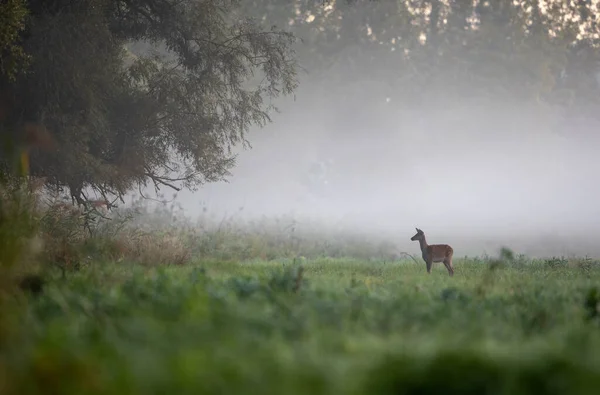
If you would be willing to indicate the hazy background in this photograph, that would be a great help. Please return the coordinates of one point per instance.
(386, 98)
(396, 168)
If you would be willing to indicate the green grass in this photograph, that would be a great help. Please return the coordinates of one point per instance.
(342, 327)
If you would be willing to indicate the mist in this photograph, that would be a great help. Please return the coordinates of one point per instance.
(477, 175)
(479, 172)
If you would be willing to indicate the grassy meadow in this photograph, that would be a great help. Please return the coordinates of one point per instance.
(150, 304)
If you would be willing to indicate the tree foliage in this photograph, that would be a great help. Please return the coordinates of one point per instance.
(525, 50)
(12, 21)
(120, 118)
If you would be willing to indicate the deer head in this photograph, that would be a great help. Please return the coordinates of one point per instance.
(418, 236)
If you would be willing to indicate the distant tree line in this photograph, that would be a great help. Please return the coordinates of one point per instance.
(525, 49)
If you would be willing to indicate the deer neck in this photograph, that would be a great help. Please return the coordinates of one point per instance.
(423, 243)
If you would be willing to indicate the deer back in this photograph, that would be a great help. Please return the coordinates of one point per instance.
(439, 251)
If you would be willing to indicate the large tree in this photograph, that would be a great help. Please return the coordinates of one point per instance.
(120, 118)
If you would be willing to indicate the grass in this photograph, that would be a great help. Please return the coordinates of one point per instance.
(152, 303)
(336, 326)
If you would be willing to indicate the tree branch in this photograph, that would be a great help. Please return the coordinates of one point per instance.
(163, 181)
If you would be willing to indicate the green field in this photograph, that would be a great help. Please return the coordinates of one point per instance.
(333, 327)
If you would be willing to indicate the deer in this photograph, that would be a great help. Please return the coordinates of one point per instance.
(434, 252)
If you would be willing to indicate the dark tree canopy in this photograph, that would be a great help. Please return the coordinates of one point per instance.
(12, 22)
(120, 118)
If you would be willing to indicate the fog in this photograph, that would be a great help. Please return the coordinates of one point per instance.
(476, 175)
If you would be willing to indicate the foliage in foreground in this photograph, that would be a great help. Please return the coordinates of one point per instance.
(337, 326)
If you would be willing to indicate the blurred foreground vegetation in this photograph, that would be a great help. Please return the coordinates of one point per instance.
(130, 306)
(337, 326)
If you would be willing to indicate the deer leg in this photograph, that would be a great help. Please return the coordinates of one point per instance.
(429, 263)
(448, 264)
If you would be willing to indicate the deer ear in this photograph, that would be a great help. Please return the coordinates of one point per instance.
(417, 229)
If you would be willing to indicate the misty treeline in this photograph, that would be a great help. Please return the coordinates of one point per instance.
(113, 95)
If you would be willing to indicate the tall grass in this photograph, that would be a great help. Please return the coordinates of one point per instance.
(147, 301)
(20, 246)
(162, 235)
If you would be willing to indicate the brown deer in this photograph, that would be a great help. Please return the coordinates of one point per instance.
(434, 252)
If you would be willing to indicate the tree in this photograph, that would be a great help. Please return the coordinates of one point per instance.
(423, 49)
(120, 119)
(12, 21)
